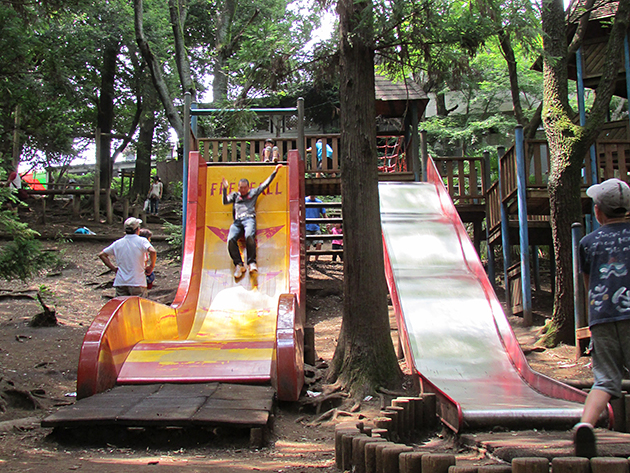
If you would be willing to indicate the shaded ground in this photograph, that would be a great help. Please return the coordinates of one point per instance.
(38, 374)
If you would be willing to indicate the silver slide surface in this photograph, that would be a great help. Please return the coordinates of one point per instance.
(454, 332)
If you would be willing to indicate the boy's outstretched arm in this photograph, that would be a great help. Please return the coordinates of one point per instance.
(224, 188)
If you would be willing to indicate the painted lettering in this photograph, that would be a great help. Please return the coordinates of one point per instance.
(278, 190)
(213, 187)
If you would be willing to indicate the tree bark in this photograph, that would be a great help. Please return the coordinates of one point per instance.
(178, 12)
(156, 73)
(105, 118)
(508, 53)
(568, 144)
(142, 171)
(219, 78)
(364, 358)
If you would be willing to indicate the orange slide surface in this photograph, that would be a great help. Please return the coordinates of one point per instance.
(217, 329)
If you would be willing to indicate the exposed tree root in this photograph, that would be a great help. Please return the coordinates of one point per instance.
(331, 414)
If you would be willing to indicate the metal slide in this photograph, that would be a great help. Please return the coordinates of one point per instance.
(454, 332)
(217, 329)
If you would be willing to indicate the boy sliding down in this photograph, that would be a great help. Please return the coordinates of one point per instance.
(244, 213)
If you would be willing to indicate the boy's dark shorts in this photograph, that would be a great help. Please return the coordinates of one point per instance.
(610, 355)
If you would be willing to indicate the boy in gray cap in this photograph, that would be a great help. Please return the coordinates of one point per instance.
(129, 252)
(604, 262)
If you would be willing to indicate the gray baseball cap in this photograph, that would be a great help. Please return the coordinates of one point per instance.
(132, 223)
(612, 196)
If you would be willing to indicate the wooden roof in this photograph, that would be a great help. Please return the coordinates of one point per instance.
(601, 9)
(392, 98)
(594, 44)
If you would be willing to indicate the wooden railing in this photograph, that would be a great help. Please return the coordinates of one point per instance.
(464, 178)
(613, 160)
(226, 150)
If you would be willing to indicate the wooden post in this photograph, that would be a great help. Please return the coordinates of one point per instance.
(109, 211)
(76, 205)
(43, 210)
(526, 286)
(536, 264)
(424, 154)
(530, 465)
(581, 319)
(301, 144)
(125, 208)
(505, 236)
(414, 155)
(16, 137)
(97, 178)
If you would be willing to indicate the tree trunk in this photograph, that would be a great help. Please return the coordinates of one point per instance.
(178, 12)
(223, 51)
(568, 144)
(156, 73)
(364, 358)
(105, 118)
(142, 172)
(508, 53)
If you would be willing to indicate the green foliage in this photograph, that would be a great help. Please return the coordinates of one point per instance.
(23, 257)
(176, 190)
(175, 238)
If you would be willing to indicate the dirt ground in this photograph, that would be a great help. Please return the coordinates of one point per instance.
(38, 370)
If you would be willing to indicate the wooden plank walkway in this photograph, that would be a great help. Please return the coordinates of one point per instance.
(161, 405)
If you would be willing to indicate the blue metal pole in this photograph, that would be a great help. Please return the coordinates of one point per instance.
(193, 118)
(505, 236)
(580, 86)
(522, 225)
(186, 146)
(578, 287)
(579, 63)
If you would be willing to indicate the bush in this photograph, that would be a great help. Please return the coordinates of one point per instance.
(175, 238)
(23, 257)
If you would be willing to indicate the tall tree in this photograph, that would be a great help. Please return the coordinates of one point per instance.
(569, 143)
(364, 358)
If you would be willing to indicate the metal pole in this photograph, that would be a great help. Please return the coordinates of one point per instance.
(424, 154)
(484, 188)
(505, 236)
(186, 145)
(579, 63)
(578, 287)
(97, 177)
(301, 144)
(193, 119)
(523, 229)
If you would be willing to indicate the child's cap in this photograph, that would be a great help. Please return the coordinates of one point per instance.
(612, 196)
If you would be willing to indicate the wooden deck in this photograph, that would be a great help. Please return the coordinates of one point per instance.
(169, 405)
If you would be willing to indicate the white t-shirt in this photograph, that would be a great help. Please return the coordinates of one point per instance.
(156, 189)
(129, 252)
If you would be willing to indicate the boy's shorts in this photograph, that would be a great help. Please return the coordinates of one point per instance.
(150, 279)
(314, 242)
(610, 355)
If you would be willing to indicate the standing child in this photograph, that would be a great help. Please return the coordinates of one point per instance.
(336, 244)
(146, 233)
(605, 261)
